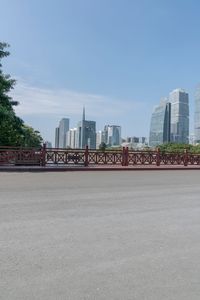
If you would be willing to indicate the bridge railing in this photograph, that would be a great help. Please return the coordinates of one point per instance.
(125, 157)
(20, 156)
(58, 156)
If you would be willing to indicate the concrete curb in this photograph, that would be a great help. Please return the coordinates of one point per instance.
(73, 169)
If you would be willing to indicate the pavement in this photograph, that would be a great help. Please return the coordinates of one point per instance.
(100, 235)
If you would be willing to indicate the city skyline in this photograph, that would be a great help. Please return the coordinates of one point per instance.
(159, 131)
(85, 134)
(116, 58)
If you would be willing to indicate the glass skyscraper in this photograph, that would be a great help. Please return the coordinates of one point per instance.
(179, 100)
(57, 137)
(63, 128)
(160, 124)
(86, 133)
(197, 115)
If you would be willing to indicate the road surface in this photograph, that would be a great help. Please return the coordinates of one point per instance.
(100, 235)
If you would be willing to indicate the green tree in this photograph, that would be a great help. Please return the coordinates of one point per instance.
(30, 137)
(179, 148)
(102, 146)
(13, 132)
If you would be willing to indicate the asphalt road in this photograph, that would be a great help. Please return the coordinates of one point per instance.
(100, 235)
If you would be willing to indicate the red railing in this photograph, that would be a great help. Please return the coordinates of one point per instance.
(125, 157)
(21, 156)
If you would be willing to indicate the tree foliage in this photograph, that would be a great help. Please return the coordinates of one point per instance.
(13, 131)
(31, 137)
(179, 148)
(102, 146)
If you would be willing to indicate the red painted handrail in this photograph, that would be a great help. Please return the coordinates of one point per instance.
(124, 157)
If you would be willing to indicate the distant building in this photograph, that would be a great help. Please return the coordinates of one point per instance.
(160, 124)
(179, 100)
(48, 144)
(135, 142)
(112, 135)
(197, 116)
(71, 138)
(143, 140)
(63, 128)
(86, 133)
(192, 139)
(100, 138)
(57, 137)
(61, 133)
(132, 139)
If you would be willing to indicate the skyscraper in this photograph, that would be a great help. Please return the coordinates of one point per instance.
(100, 138)
(57, 137)
(71, 138)
(86, 133)
(197, 116)
(112, 135)
(63, 128)
(179, 116)
(160, 124)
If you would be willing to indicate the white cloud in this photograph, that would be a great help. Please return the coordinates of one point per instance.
(43, 101)
(42, 108)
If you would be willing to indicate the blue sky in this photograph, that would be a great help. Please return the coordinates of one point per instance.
(118, 58)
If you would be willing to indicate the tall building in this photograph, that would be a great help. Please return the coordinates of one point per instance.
(112, 135)
(160, 124)
(100, 138)
(86, 133)
(57, 137)
(179, 100)
(63, 128)
(197, 116)
(71, 138)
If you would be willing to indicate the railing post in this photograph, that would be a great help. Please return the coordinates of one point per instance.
(123, 156)
(127, 154)
(43, 154)
(158, 157)
(86, 162)
(185, 159)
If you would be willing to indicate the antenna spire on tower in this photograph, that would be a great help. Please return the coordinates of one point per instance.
(83, 113)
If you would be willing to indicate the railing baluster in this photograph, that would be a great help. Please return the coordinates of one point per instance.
(86, 162)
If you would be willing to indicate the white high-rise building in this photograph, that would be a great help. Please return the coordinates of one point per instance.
(179, 116)
(71, 138)
(63, 128)
(100, 138)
